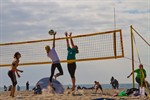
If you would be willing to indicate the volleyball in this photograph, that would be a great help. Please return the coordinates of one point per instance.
(51, 32)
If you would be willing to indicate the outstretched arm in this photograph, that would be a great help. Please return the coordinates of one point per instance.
(19, 70)
(72, 43)
(67, 40)
(130, 74)
(54, 40)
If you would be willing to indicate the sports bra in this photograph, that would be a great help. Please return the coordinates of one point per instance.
(13, 67)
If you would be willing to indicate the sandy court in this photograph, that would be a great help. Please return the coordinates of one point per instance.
(78, 95)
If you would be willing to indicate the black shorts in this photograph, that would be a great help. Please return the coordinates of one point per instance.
(139, 82)
(53, 67)
(99, 86)
(72, 69)
(12, 76)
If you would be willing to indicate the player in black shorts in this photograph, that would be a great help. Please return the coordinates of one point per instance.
(98, 86)
(71, 57)
(12, 71)
(52, 54)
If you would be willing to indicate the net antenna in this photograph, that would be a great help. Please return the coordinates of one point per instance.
(114, 19)
(93, 46)
(115, 53)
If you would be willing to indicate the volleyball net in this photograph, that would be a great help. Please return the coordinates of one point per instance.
(95, 46)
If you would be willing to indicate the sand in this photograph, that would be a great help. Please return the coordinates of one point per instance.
(78, 95)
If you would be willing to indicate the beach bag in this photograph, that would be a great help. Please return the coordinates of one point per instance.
(131, 91)
(122, 93)
(136, 93)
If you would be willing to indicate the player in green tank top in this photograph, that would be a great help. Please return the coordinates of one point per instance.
(71, 54)
(71, 57)
(141, 75)
(140, 79)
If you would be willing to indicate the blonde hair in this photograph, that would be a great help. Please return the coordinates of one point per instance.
(47, 48)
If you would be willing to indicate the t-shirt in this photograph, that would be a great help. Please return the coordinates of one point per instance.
(71, 53)
(139, 74)
(53, 55)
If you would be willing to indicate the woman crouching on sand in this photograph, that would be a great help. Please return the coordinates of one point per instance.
(98, 86)
(11, 72)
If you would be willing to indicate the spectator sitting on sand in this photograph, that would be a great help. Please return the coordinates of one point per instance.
(79, 87)
(68, 88)
(5, 88)
(98, 86)
(18, 88)
(88, 88)
(129, 92)
(91, 88)
(9, 88)
(84, 87)
(114, 83)
(37, 90)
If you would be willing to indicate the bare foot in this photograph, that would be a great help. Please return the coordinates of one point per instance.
(69, 92)
(73, 88)
(55, 76)
(50, 84)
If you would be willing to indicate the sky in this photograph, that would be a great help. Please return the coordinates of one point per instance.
(22, 20)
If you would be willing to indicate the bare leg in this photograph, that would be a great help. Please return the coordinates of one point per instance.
(101, 88)
(96, 90)
(13, 91)
(73, 84)
(55, 77)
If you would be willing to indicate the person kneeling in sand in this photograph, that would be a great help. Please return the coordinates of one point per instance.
(97, 86)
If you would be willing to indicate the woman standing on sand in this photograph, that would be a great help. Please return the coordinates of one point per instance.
(71, 56)
(12, 71)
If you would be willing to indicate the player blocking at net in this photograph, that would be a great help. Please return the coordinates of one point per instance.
(52, 54)
(71, 57)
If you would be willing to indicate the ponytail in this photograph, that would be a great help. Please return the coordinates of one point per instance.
(16, 54)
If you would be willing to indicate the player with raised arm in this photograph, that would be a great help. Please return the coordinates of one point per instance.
(52, 54)
(71, 57)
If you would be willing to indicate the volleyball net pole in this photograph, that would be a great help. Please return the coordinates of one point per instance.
(132, 49)
(132, 53)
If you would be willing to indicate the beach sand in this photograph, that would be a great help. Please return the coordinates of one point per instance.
(78, 95)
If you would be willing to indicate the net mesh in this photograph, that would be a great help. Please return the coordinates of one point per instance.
(91, 47)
